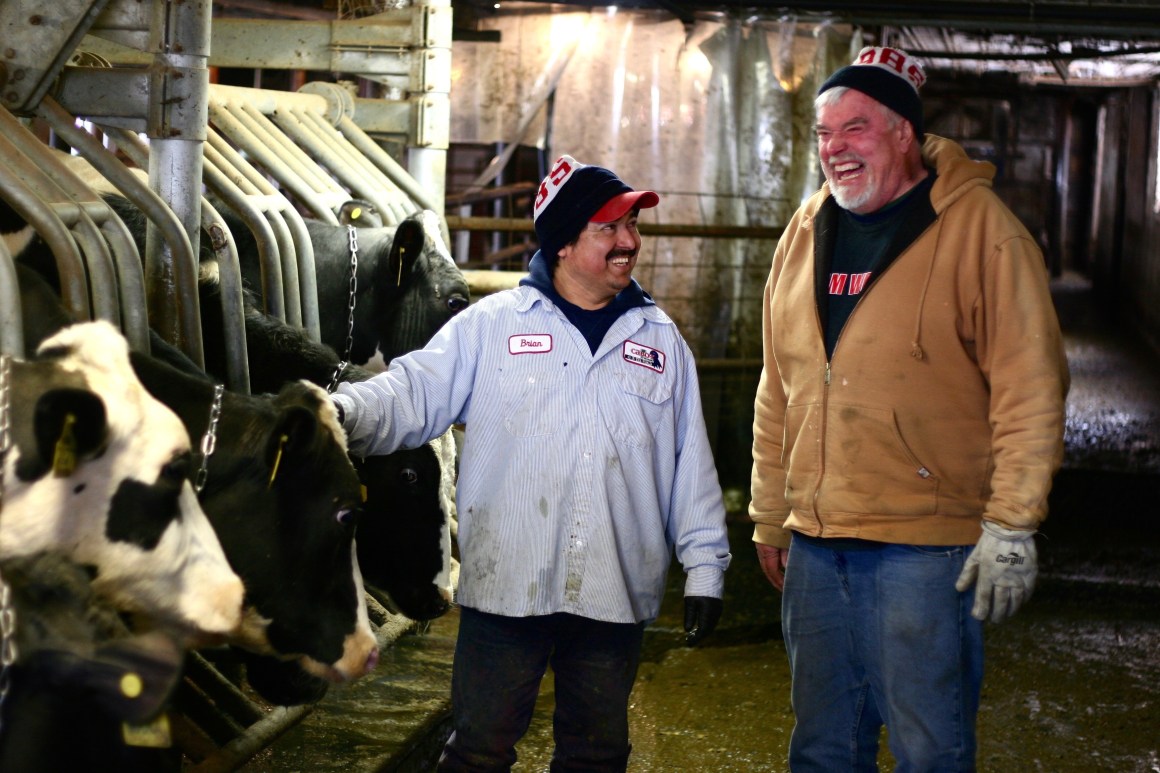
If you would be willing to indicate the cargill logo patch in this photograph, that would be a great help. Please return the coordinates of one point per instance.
(645, 356)
(530, 343)
(1011, 558)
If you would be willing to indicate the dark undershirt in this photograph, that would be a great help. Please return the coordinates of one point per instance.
(861, 249)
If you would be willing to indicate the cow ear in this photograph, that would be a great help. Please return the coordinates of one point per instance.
(295, 432)
(70, 425)
(359, 213)
(406, 247)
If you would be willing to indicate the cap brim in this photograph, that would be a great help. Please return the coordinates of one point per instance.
(615, 207)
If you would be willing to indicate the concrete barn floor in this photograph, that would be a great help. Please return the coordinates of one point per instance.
(1071, 681)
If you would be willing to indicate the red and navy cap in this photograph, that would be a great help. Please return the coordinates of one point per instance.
(575, 194)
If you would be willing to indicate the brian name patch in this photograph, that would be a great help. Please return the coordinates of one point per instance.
(530, 343)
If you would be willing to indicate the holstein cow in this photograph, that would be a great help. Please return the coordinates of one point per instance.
(83, 693)
(282, 495)
(404, 538)
(284, 499)
(279, 352)
(98, 470)
(408, 285)
(404, 552)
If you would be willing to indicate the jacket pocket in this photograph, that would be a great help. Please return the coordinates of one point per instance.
(641, 406)
(528, 400)
(801, 454)
(870, 468)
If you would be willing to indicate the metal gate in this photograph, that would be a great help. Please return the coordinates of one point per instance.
(129, 81)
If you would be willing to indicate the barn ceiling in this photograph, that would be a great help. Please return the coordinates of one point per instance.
(1118, 19)
(1075, 42)
(1080, 42)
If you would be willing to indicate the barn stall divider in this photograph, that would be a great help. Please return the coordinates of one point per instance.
(95, 76)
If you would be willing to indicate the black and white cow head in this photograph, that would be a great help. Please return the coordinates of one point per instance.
(98, 471)
(284, 499)
(404, 537)
(79, 675)
(408, 287)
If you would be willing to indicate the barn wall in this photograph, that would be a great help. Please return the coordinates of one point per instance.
(716, 118)
(1123, 244)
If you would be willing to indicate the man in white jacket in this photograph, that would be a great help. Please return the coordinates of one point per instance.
(585, 463)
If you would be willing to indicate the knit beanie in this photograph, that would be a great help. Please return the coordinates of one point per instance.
(574, 194)
(889, 76)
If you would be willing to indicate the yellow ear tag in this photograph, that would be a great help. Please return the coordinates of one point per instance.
(399, 279)
(363, 491)
(131, 685)
(356, 213)
(277, 460)
(154, 735)
(64, 456)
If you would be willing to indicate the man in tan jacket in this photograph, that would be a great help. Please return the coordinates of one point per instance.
(908, 423)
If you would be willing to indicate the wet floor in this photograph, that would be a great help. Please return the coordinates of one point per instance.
(1071, 682)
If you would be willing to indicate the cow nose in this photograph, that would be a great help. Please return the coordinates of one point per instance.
(438, 609)
(372, 661)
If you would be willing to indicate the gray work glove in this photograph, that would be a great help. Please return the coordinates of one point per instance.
(1002, 566)
(701, 616)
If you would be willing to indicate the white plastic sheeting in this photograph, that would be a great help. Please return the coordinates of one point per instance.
(716, 117)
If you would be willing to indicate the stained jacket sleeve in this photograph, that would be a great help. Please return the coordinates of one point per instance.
(1020, 352)
(417, 398)
(698, 511)
(768, 507)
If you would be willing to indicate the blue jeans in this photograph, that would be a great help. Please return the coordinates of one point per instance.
(495, 678)
(877, 634)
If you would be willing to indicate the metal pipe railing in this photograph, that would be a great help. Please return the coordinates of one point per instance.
(11, 319)
(229, 275)
(46, 221)
(171, 289)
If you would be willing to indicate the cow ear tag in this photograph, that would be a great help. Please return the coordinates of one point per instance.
(154, 735)
(362, 490)
(356, 213)
(64, 455)
(277, 460)
(131, 685)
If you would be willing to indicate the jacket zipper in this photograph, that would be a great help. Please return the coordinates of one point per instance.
(826, 401)
(822, 451)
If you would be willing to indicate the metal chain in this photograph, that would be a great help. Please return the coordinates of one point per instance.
(209, 439)
(352, 232)
(8, 651)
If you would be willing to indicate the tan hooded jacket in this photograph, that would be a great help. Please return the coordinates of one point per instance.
(943, 403)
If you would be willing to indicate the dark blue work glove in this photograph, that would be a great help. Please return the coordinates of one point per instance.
(701, 616)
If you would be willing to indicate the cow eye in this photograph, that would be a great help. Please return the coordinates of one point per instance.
(346, 516)
(456, 303)
(408, 475)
